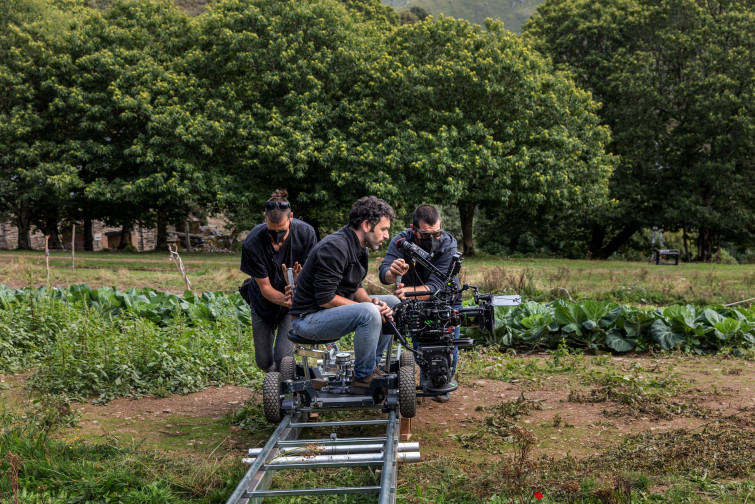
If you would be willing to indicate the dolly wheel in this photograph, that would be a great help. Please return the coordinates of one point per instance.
(287, 369)
(407, 359)
(271, 397)
(407, 391)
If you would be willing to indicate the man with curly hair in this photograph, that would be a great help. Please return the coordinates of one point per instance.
(329, 299)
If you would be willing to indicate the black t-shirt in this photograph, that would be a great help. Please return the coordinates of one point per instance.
(259, 260)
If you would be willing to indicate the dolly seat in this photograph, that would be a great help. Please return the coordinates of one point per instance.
(304, 341)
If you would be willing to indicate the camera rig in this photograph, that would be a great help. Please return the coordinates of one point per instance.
(430, 319)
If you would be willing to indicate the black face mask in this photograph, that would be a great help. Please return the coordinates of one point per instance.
(277, 236)
(429, 244)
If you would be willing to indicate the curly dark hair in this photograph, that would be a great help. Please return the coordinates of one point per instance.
(370, 209)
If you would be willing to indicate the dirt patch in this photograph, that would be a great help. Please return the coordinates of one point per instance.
(579, 429)
(213, 402)
(725, 388)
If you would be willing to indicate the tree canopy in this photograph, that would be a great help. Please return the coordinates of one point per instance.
(605, 118)
(676, 81)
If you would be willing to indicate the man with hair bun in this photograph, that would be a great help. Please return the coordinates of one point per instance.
(268, 250)
(330, 300)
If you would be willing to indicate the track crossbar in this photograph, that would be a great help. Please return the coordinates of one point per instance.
(255, 485)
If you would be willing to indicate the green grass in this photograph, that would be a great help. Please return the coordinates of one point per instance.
(491, 461)
(534, 279)
(40, 452)
(40, 467)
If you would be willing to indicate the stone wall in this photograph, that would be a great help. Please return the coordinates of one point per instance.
(141, 238)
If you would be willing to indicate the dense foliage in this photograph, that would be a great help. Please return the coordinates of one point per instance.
(607, 326)
(676, 79)
(104, 343)
(138, 114)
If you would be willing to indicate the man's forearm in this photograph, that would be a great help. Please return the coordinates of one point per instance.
(271, 294)
(361, 296)
(338, 301)
(389, 277)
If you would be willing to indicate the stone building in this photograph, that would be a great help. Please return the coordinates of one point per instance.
(104, 237)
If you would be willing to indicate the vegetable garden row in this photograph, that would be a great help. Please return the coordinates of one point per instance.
(107, 343)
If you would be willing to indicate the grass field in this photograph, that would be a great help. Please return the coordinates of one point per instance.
(536, 279)
(576, 427)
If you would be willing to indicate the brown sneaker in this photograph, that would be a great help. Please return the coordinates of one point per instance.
(360, 385)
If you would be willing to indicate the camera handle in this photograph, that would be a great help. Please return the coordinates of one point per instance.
(401, 337)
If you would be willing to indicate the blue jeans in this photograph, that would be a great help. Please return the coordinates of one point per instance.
(363, 319)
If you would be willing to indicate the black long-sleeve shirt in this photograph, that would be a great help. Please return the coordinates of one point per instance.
(260, 260)
(336, 266)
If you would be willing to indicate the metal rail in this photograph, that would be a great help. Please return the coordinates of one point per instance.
(285, 451)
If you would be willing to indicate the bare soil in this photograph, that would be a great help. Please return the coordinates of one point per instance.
(722, 387)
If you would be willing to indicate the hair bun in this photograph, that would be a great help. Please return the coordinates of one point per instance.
(279, 194)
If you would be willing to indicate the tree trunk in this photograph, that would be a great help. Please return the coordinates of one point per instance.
(51, 228)
(466, 215)
(600, 252)
(619, 240)
(23, 222)
(596, 242)
(704, 245)
(88, 235)
(685, 238)
(125, 237)
(161, 242)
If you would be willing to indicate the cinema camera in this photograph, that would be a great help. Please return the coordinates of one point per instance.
(431, 322)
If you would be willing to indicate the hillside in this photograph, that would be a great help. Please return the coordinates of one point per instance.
(513, 13)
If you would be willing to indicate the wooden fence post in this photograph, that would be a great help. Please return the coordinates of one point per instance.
(73, 247)
(47, 257)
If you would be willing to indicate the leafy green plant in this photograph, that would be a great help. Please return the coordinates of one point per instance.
(603, 325)
(101, 343)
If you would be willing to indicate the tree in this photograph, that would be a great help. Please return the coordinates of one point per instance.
(282, 85)
(478, 118)
(32, 41)
(134, 134)
(676, 81)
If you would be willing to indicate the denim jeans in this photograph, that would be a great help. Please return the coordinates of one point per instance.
(363, 319)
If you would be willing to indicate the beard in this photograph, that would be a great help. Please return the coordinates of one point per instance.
(372, 241)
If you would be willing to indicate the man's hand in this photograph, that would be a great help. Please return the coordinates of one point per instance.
(399, 292)
(289, 296)
(385, 310)
(297, 270)
(399, 267)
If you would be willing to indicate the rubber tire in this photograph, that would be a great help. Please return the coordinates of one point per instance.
(406, 359)
(271, 397)
(407, 391)
(287, 369)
